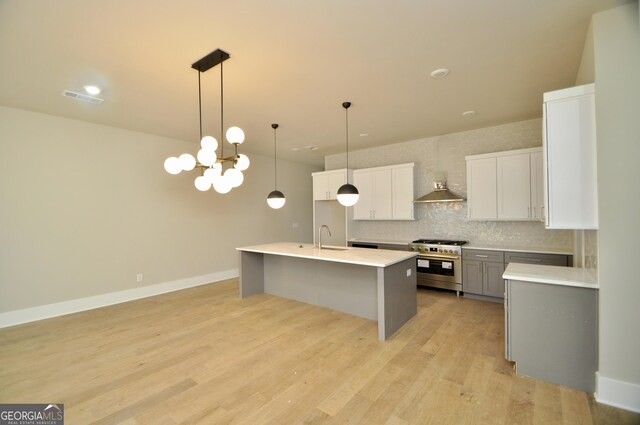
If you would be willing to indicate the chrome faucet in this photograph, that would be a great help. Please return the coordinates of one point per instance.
(320, 234)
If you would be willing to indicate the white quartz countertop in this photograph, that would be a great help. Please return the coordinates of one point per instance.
(360, 256)
(518, 248)
(553, 275)
(377, 240)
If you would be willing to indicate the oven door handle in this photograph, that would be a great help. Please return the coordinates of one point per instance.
(439, 257)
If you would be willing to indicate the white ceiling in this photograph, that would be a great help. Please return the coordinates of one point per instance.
(293, 62)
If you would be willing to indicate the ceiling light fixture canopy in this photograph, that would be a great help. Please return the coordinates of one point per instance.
(347, 193)
(275, 199)
(211, 165)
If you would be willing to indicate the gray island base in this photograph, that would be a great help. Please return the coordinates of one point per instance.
(377, 285)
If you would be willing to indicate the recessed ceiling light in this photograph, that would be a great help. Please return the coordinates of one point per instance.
(468, 113)
(440, 73)
(92, 90)
(295, 149)
(364, 135)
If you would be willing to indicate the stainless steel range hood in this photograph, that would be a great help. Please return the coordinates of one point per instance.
(440, 194)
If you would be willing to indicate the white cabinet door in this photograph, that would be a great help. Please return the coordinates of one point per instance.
(382, 196)
(514, 192)
(482, 189)
(570, 157)
(537, 191)
(320, 187)
(336, 180)
(402, 180)
(363, 209)
(326, 184)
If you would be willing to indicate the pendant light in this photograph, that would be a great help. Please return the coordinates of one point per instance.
(347, 193)
(210, 164)
(276, 198)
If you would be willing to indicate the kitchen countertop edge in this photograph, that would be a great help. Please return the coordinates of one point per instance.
(357, 256)
(552, 275)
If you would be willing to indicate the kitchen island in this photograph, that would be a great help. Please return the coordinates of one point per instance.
(376, 284)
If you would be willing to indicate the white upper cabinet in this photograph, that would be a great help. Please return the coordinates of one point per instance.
(386, 193)
(505, 185)
(374, 187)
(514, 186)
(482, 189)
(327, 183)
(402, 192)
(569, 140)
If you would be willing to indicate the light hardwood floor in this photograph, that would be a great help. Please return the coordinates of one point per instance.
(205, 356)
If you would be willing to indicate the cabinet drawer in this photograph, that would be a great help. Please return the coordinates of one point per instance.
(535, 258)
(483, 255)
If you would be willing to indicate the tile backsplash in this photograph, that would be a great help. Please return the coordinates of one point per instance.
(443, 156)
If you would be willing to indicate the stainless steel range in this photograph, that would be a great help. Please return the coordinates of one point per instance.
(439, 263)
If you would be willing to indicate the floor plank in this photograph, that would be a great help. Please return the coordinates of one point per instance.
(204, 355)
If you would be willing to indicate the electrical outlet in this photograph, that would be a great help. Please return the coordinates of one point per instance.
(139, 277)
(408, 272)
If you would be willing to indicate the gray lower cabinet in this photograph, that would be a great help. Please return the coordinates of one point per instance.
(482, 269)
(482, 273)
(551, 332)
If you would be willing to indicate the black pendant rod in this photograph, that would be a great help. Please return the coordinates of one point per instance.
(221, 112)
(275, 163)
(200, 104)
(346, 106)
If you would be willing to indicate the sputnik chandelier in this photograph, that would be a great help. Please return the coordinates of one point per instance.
(211, 165)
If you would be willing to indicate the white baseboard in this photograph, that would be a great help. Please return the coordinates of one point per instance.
(16, 317)
(613, 392)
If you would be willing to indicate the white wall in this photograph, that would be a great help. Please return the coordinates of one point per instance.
(617, 76)
(586, 71)
(85, 207)
(444, 156)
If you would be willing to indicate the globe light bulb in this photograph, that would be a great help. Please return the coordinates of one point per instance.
(234, 176)
(209, 143)
(348, 195)
(242, 163)
(221, 184)
(207, 157)
(276, 199)
(235, 135)
(172, 165)
(202, 183)
(187, 161)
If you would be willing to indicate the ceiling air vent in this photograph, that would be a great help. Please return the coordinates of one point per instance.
(82, 97)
